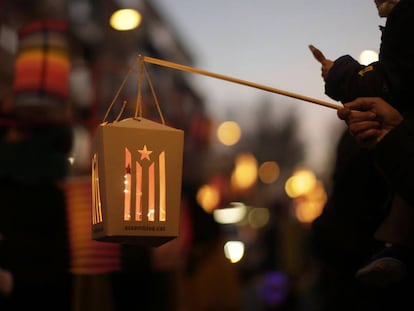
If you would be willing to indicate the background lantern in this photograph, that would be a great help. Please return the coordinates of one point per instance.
(136, 182)
(42, 66)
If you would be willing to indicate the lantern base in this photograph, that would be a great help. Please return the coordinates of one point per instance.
(152, 241)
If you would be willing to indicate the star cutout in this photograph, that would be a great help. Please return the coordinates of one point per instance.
(145, 153)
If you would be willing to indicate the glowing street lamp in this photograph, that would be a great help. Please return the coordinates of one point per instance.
(125, 19)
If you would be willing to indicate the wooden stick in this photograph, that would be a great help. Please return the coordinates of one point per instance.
(239, 81)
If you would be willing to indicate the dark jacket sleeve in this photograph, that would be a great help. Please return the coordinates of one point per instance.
(348, 79)
(394, 155)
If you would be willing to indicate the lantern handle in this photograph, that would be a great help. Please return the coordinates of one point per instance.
(231, 79)
(117, 95)
(138, 108)
(121, 111)
(139, 97)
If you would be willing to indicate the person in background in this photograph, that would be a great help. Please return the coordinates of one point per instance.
(344, 234)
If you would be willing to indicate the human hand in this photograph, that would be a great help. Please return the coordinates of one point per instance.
(369, 119)
(326, 66)
(320, 57)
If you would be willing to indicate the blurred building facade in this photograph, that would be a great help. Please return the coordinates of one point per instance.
(100, 58)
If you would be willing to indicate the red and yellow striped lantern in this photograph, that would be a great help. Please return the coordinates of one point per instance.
(42, 65)
(87, 256)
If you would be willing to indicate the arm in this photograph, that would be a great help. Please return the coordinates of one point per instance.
(346, 79)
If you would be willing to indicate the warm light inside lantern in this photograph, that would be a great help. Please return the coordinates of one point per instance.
(127, 185)
(155, 181)
(96, 191)
(125, 19)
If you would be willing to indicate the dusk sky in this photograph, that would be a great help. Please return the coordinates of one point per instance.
(266, 42)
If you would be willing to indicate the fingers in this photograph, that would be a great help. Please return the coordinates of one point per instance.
(374, 107)
(326, 67)
(317, 53)
(364, 128)
(365, 103)
(353, 116)
(363, 125)
(369, 119)
(366, 135)
(343, 113)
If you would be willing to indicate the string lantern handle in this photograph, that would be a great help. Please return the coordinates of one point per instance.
(138, 107)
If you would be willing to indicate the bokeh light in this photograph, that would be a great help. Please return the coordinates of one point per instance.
(234, 251)
(233, 214)
(301, 182)
(258, 217)
(229, 133)
(269, 172)
(367, 57)
(208, 197)
(244, 175)
(125, 19)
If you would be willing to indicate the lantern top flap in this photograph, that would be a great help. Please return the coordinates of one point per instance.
(141, 123)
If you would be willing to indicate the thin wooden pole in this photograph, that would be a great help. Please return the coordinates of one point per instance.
(235, 80)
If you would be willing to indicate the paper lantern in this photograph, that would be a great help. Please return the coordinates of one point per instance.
(87, 256)
(136, 182)
(42, 66)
